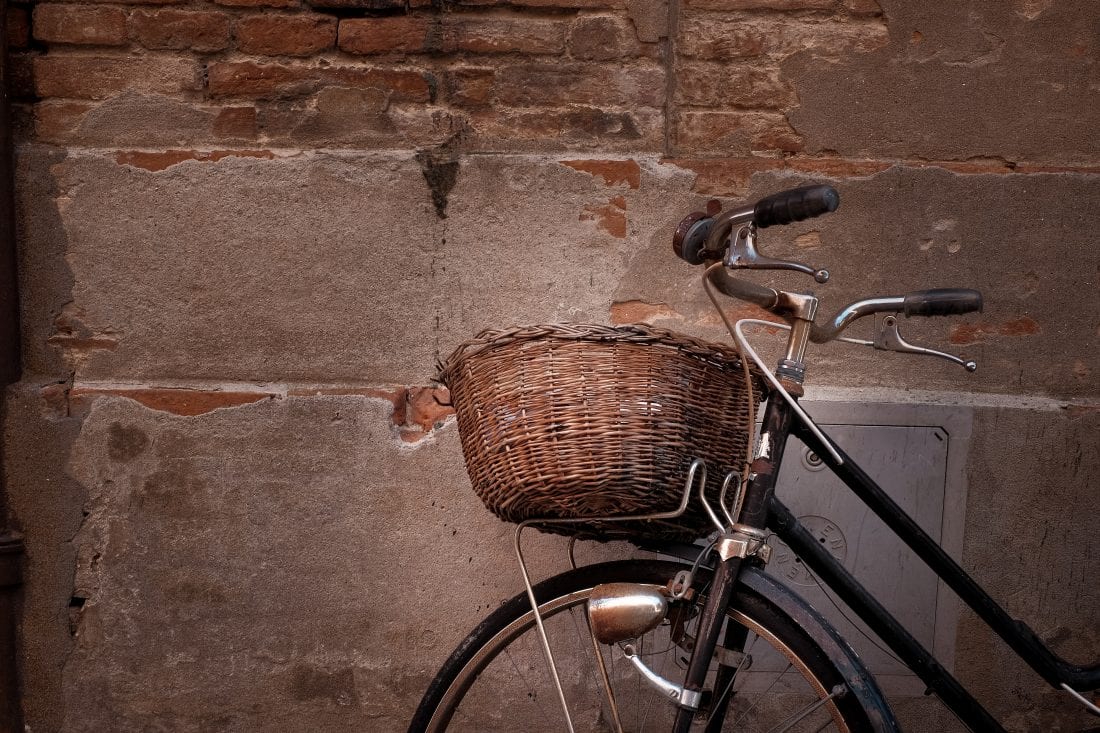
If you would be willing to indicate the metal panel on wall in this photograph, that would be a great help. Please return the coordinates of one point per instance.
(917, 454)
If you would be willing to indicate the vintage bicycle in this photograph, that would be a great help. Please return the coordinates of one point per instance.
(622, 433)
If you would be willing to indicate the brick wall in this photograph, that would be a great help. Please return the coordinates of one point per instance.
(480, 76)
(248, 230)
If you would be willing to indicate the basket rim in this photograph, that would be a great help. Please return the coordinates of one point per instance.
(633, 333)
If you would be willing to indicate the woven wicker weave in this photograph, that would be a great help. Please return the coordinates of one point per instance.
(587, 420)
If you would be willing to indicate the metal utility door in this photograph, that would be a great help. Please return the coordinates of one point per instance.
(917, 454)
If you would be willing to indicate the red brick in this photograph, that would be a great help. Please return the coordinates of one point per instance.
(727, 177)
(399, 34)
(735, 132)
(612, 172)
(610, 217)
(503, 35)
(164, 159)
(235, 122)
(281, 81)
(427, 407)
(639, 311)
(81, 24)
(705, 84)
(968, 333)
(18, 27)
(603, 38)
(535, 84)
(286, 35)
(100, 77)
(469, 86)
(707, 38)
(180, 29)
(568, 129)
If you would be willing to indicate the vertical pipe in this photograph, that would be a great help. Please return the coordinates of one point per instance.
(11, 546)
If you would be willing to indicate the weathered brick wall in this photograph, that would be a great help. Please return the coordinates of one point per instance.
(249, 228)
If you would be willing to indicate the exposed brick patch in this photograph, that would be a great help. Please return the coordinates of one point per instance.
(181, 401)
(283, 81)
(426, 408)
(610, 217)
(286, 35)
(969, 333)
(101, 77)
(80, 24)
(180, 29)
(71, 332)
(162, 160)
(611, 171)
(639, 311)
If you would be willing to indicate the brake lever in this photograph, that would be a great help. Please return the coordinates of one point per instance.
(888, 338)
(743, 254)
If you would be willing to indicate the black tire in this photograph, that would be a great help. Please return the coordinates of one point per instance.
(498, 680)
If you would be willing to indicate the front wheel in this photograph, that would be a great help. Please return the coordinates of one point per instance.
(790, 670)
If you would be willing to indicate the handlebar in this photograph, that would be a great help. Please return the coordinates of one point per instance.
(701, 238)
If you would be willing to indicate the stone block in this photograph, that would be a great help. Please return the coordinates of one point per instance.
(317, 292)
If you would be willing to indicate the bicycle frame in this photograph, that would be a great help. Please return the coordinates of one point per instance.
(762, 509)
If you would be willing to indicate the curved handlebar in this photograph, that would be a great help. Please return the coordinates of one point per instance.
(783, 208)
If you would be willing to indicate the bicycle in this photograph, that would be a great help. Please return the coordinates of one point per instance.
(703, 639)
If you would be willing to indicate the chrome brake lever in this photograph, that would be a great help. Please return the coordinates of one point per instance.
(888, 338)
(743, 254)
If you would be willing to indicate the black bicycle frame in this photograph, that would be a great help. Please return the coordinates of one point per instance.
(762, 508)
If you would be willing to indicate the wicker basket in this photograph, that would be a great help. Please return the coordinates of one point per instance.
(586, 420)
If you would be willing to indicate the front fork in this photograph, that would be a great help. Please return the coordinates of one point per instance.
(754, 511)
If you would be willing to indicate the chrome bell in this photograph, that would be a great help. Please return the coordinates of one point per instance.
(621, 611)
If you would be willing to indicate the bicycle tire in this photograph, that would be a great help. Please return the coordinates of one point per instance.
(476, 689)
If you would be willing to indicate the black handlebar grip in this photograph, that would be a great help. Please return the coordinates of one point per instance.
(795, 205)
(942, 302)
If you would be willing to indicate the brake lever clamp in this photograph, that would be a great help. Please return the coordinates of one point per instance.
(889, 338)
(743, 254)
